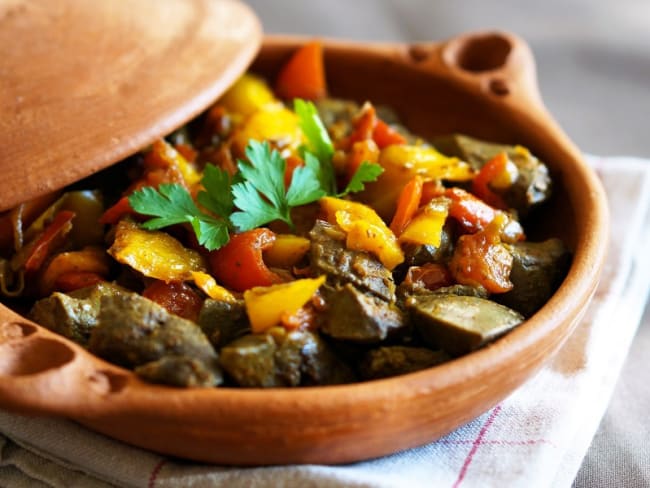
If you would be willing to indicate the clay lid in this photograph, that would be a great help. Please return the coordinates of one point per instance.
(86, 84)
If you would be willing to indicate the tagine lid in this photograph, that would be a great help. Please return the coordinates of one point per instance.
(86, 84)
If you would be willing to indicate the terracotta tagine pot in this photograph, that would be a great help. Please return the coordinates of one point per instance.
(480, 84)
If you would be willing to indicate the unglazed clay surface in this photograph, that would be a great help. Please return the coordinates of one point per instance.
(480, 84)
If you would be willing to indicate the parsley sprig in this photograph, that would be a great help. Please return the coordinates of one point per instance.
(261, 197)
(256, 195)
(172, 204)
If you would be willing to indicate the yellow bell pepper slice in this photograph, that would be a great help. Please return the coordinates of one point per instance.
(365, 230)
(210, 287)
(249, 94)
(154, 254)
(401, 162)
(272, 122)
(287, 250)
(426, 227)
(266, 305)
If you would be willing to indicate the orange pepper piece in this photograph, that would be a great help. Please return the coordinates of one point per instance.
(384, 135)
(239, 265)
(303, 76)
(407, 205)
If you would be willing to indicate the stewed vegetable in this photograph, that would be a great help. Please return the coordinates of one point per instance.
(287, 238)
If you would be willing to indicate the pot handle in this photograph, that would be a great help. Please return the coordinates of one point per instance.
(498, 64)
(43, 373)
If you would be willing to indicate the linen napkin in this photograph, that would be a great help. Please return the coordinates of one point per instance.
(537, 437)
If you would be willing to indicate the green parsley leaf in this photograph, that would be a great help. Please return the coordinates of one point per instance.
(365, 173)
(305, 186)
(172, 204)
(217, 196)
(254, 210)
(261, 196)
(211, 233)
(318, 141)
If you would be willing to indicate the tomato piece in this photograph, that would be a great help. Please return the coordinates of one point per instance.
(239, 265)
(481, 260)
(52, 237)
(303, 76)
(384, 135)
(430, 276)
(177, 298)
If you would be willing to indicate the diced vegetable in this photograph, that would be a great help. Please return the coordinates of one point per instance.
(163, 155)
(119, 210)
(401, 164)
(425, 228)
(265, 306)
(407, 204)
(14, 222)
(287, 250)
(384, 135)
(473, 214)
(88, 260)
(239, 265)
(365, 230)
(498, 172)
(361, 151)
(52, 237)
(76, 280)
(177, 298)
(532, 185)
(330, 256)
(210, 287)
(154, 254)
(303, 76)
(429, 276)
(272, 122)
(482, 260)
(248, 95)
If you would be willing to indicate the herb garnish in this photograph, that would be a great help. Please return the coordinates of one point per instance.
(256, 195)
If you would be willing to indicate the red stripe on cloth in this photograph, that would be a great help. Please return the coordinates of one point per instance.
(497, 442)
(154, 473)
(477, 442)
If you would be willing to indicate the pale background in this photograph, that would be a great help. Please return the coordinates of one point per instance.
(593, 59)
(593, 56)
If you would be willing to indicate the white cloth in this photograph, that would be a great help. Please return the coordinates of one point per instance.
(537, 437)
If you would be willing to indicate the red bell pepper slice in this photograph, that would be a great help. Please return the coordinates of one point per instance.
(51, 238)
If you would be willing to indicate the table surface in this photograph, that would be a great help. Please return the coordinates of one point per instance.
(593, 60)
